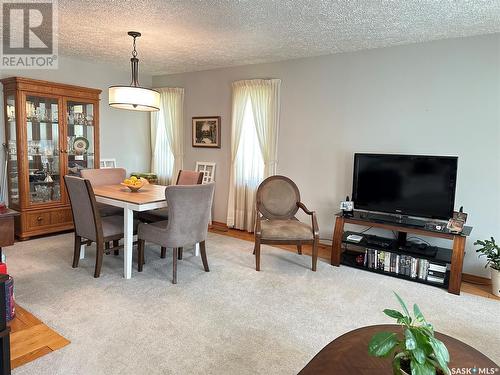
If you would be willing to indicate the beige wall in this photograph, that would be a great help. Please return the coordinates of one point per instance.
(124, 135)
(434, 98)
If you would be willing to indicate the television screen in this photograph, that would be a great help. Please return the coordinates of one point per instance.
(410, 185)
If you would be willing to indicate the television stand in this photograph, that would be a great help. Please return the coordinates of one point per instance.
(457, 251)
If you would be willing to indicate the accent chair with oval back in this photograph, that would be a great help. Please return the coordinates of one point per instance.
(278, 200)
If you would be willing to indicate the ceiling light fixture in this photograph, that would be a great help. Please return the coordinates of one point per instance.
(134, 97)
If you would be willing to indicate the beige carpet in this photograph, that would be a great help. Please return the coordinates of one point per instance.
(232, 320)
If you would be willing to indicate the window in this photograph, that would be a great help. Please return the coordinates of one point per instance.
(249, 159)
(254, 122)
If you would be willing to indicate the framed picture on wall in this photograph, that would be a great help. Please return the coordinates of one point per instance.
(206, 131)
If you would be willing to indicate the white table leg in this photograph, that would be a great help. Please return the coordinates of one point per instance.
(197, 249)
(128, 232)
(82, 251)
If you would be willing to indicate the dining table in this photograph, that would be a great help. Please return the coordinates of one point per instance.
(149, 197)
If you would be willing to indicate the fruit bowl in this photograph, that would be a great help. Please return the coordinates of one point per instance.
(134, 184)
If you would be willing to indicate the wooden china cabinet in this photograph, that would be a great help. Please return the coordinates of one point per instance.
(51, 130)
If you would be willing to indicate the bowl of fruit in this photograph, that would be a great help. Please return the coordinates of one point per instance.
(134, 183)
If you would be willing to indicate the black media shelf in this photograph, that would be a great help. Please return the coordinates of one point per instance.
(349, 259)
(443, 255)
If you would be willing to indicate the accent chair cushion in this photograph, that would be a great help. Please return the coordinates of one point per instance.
(285, 230)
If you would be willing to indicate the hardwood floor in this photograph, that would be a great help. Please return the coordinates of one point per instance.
(30, 338)
(472, 284)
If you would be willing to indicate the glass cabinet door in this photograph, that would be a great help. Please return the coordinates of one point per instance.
(80, 136)
(42, 137)
(11, 155)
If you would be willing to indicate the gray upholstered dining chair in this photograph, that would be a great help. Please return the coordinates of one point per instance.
(105, 176)
(89, 225)
(187, 224)
(184, 177)
(278, 200)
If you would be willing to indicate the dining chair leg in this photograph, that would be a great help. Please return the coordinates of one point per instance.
(179, 253)
(116, 243)
(203, 252)
(257, 254)
(299, 248)
(99, 253)
(107, 245)
(163, 253)
(174, 266)
(315, 254)
(76, 253)
(140, 255)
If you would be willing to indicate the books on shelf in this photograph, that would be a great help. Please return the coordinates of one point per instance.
(406, 265)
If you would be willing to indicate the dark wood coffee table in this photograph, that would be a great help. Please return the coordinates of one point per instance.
(348, 354)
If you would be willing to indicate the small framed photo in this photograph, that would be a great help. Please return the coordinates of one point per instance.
(206, 132)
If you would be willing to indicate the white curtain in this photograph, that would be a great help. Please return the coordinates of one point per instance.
(167, 135)
(254, 146)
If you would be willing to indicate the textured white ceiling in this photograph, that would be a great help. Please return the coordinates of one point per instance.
(189, 35)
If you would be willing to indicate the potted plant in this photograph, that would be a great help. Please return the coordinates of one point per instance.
(415, 350)
(491, 251)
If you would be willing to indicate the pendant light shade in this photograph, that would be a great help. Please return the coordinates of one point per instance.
(134, 97)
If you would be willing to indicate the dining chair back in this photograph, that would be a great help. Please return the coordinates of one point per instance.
(189, 213)
(105, 176)
(186, 177)
(83, 207)
(187, 224)
(90, 225)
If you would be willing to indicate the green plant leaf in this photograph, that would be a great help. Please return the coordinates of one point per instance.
(441, 353)
(419, 355)
(396, 365)
(382, 344)
(403, 305)
(393, 314)
(422, 369)
(423, 341)
(410, 341)
(418, 314)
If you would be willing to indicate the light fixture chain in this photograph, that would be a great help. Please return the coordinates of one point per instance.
(134, 52)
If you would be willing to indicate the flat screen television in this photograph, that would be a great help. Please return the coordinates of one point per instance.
(411, 185)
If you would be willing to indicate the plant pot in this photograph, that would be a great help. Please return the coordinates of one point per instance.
(495, 282)
(405, 369)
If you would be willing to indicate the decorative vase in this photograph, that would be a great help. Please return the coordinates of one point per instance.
(495, 281)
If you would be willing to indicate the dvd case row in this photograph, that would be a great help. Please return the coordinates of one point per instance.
(406, 265)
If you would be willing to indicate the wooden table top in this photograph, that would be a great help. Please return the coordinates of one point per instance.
(348, 354)
(147, 194)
